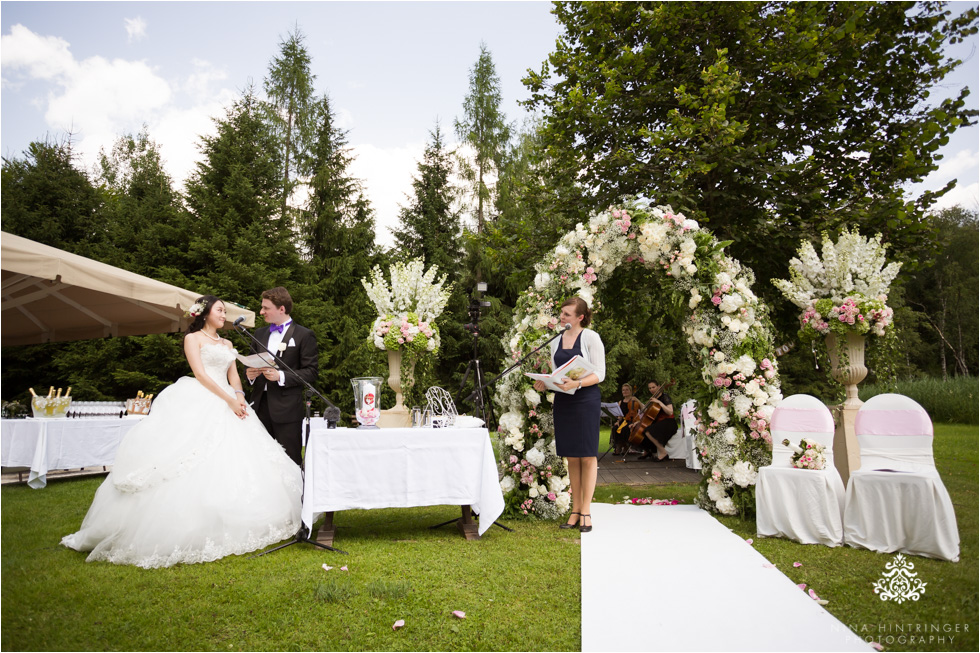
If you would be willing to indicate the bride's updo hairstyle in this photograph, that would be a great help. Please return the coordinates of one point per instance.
(199, 311)
(581, 308)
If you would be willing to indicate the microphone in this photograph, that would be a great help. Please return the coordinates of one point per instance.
(239, 321)
(566, 327)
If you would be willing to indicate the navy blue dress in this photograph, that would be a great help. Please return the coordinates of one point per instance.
(576, 415)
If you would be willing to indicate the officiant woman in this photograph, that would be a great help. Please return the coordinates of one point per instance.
(577, 414)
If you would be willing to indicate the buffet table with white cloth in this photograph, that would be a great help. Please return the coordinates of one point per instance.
(401, 468)
(61, 443)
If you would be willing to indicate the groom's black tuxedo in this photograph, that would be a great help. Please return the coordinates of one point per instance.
(281, 408)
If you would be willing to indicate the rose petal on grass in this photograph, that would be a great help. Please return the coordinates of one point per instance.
(327, 568)
(748, 541)
(398, 624)
(769, 566)
(876, 646)
(459, 614)
(802, 586)
(797, 564)
(344, 568)
(813, 595)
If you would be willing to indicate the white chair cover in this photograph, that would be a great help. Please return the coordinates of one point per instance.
(805, 505)
(896, 500)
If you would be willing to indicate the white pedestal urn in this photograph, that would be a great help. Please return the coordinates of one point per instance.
(849, 372)
(399, 416)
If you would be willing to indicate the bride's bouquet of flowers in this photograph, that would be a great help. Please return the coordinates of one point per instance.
(807, 454)
(845, 290)
(407, 308)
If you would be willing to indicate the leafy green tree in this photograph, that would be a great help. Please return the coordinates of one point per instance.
(289, 110)
(766, 121)
(535, 206)
(484, 129)
(944, 296)
(429, 225)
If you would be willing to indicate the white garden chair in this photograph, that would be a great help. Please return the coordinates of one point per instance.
(896, 500)
(805, 505)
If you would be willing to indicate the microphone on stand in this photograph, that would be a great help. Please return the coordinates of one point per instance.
(239, 320)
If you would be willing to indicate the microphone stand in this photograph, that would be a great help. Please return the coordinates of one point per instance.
(331, 414)
(479, 390)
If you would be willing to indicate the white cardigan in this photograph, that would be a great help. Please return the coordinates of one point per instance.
(592, 350)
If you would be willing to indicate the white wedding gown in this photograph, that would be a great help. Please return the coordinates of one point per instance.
(193, 482)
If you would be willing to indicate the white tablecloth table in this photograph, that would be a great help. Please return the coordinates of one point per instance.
(43, 444)
(401, 468)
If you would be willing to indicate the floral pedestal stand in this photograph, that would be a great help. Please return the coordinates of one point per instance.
(398, 416)
(847, 453)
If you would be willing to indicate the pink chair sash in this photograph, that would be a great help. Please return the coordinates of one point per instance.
(802, 420)
(892, 422)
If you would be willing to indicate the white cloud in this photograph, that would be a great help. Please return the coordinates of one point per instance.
(963, 165)
(43, 57)
(135, 29)
(387, 173)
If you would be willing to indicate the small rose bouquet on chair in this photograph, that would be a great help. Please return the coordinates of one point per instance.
(807, 454)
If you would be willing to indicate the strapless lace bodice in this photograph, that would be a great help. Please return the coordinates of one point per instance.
(216, 359)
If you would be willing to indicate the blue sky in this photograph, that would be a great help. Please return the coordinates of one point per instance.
(391, 69)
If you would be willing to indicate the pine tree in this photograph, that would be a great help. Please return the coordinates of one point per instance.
(289, 87)
(240, 244)
(430, 226)
(484, 129)
(338, 242)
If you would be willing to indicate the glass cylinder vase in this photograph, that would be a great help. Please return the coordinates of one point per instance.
(367, 392)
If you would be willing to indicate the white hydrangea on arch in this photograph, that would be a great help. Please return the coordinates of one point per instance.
(726, 326)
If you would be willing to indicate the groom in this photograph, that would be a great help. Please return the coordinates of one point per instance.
(277, 395)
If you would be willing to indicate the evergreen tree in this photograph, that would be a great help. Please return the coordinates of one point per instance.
(48, 199)
(239, 244)
(429, 224)
(145, 217)
(484, 129)
(290, 92)
(338, 241)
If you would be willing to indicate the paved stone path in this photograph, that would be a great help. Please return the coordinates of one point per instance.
(643, 472)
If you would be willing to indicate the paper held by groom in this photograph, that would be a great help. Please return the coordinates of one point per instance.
(257, 360)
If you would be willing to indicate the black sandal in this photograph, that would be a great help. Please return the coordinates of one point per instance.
(585, 529)
(575, 525)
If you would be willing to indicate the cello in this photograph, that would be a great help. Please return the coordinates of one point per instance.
(649, 414)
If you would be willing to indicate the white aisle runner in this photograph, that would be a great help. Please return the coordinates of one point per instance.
(672, 578)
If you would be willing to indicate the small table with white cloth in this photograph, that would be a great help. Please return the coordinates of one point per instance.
(61, 443)
(400, 468)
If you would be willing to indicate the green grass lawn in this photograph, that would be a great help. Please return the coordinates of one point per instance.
(520, 591)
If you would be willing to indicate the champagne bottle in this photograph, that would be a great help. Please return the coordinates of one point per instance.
(33, 394)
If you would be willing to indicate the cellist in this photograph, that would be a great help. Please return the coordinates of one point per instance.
(656, 435)
(630, 407)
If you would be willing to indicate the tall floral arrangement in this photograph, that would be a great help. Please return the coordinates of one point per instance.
(726, 326)
(408, 307)
(844, 290)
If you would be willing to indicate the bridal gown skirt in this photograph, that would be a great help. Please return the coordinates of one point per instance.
(192, 483)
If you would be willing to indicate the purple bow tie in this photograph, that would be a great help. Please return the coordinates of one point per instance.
(276, 327)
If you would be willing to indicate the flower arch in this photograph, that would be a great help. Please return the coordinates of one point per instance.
(727, 328)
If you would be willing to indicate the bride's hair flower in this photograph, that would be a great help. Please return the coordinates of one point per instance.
(196, 309)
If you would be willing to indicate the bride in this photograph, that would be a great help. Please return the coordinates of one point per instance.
(199, 478)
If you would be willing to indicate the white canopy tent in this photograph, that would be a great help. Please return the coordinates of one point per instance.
(50, 295)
